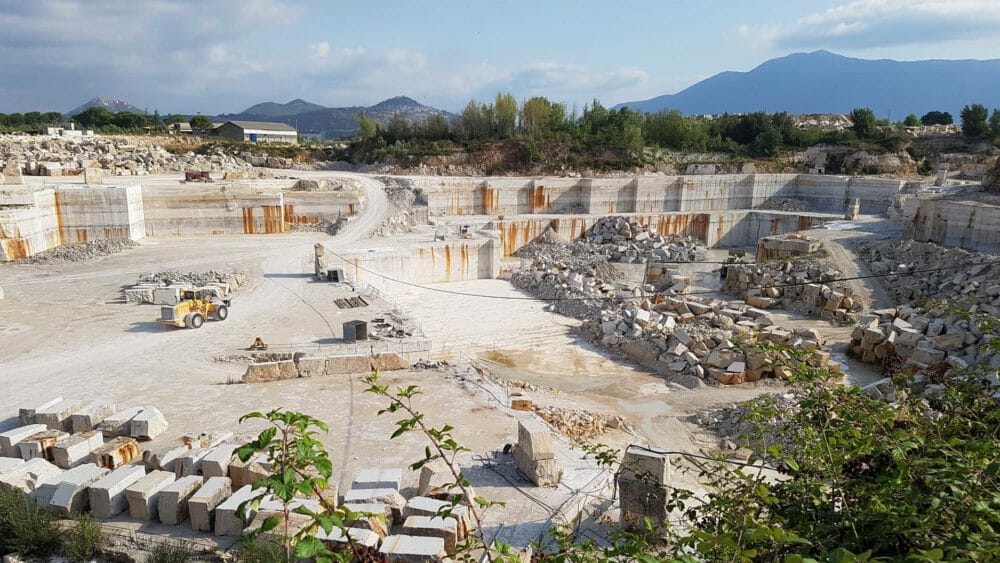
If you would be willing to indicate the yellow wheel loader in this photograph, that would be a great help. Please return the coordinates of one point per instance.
(193, 308)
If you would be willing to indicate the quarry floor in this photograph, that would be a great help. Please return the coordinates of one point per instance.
(62, 332)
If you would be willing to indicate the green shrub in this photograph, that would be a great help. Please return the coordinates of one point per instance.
(82, 541)
(171, 552)
(26, 528)
(260, 551)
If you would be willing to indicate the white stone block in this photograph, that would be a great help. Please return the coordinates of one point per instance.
(228, 521)
(75, 449)
(27, 416)
(92, 414)
(10, 438)
(173, 503)
(29, 475)
(56, 417)
(119, 423)
(202, 504)
(39, 444)
(71, 497)
(216, 461)
(143, 496)
(148, 424)
(378, 479)
(107, 496)
(412, 549)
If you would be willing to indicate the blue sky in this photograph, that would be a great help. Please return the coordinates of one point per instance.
(214, 56)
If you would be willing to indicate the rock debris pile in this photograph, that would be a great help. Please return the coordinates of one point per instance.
(402, 196)
(83, 251)
(786, 204)
(946, 313)
(622, 240)
(46, 156)
(328, 226)
(579, 425)
(802, 286)
(690, 339)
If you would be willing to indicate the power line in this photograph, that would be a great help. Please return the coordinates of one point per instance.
(610, 298)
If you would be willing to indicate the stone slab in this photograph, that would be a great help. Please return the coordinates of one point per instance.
(39, 444)
(434, 527)
(216, 461)
(72, 498)
(75, 449)
(202, 504)
(10, 438)
(412, 549)
(173, 502)
(27, 415)
(381, 478)
(107, 496)
(228, 522)
(116, 453)
(29, 475)
(56, 416)
(534, 438)
(119, 423)
(143, 496)
(148, 424)
(92, 414)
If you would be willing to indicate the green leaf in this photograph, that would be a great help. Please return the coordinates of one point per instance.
(270, 523)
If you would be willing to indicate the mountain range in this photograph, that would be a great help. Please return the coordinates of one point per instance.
(333, 122)
(114, 106)
(824, 82)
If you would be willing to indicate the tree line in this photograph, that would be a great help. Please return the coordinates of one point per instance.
(758, 134)
(101, 119)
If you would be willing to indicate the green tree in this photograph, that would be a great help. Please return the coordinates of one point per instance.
(398, 129)
(975, 121)
(671, 129)
(95, 117)
(505, 115)
(535, 115)
(200, 122)
(434, 128)
(995, 123)
(174, 118)
(912, 121)
(937, 118)
(472, 123)
(863, 122)
(370, 129)
(767, 143)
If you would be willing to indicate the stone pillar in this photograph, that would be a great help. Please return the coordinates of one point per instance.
(534, 453)
(320, 263)
(853, 210)
(641, 483)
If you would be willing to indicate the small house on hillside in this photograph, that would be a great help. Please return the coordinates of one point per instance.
(258, 132)
(182, 128)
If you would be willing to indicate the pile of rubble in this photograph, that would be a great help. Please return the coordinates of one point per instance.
(131, 156)
(918, 337)
(622, 240)
(581, 426)
(786, 204)
(83, 251)
(960, 276)
(164, 287)
(733, 426)
(693, 340)
(402, 196)
(798, 285)
(328, 226)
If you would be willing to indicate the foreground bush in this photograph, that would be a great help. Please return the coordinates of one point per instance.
(26, 528)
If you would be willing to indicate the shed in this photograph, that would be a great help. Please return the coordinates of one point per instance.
(258, 132)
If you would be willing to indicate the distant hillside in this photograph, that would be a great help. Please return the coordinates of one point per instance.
(823, 82)
(333, 122)
(114, 106)
(270, 110)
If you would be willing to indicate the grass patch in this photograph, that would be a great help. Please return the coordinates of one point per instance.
(25, 527)
(171, 552)
(83, 540)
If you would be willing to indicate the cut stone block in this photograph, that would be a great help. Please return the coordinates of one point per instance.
(296, 523)
(92, 414)
(8, 464)
(73, 450)
(190, 463)
(389, 497)
(107, 496)
(165, 456)
(44, 491)
(143, 496)
(424, 506)
(228, 522)
(56, 417)
(412, 549)
(535, 439)
(360, 536)
(641, 484)
(541, 472)
(27, 416)
(116, 453)
(433, 527)
(216, 461)
(29, 475)
(71, 497)
(433, 478)
(148, 424)
(173, 502)
(10, 438)
(39, 444)
(250, 471)
(374, 516)
(119, 423)
(378, 479)
(202, 504)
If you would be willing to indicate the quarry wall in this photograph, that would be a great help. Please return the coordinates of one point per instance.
(722, 229)
(965, 224)
(435, 262)
(652, 194)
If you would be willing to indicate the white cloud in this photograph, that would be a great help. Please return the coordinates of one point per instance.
(878, 23)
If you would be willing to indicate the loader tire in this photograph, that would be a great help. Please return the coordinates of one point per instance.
(221, 313)
(197, 320)
(187, 320)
